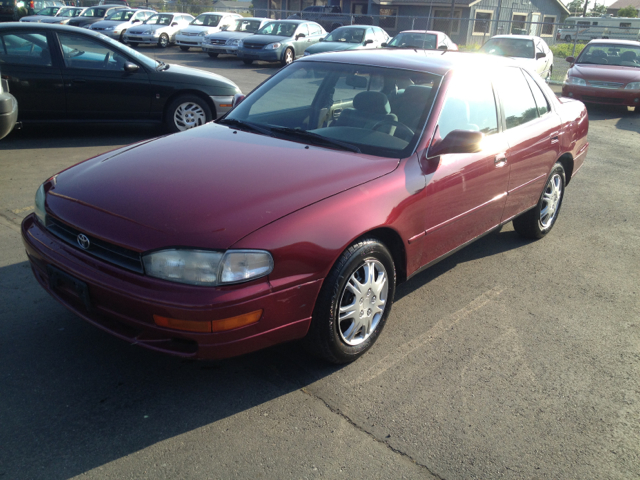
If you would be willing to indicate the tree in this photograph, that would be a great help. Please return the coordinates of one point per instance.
(598, 10)
(629, 12)
(575, 7)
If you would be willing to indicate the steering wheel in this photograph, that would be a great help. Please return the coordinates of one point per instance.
(406, 130)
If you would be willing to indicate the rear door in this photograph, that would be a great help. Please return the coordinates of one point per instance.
(34, 77)
(96, 85)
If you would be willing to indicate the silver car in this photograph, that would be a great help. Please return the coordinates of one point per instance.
(64, 15)
(159, 29)
(227, 42)
(116, 24)
(203, 24)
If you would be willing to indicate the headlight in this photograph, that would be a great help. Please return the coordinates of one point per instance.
(202, 34)
(40, 212)
(272, 46)
(575, 81)
(108, 29)
(233, 42)
(633, 86)
(240, 43)
(200, 267)
(147, 32)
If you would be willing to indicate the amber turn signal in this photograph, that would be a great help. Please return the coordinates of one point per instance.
(208, 327)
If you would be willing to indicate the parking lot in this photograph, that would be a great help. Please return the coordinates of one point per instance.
(510, 359)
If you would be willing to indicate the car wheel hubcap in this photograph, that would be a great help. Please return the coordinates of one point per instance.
(362, 303)
(189, 115)
(288, 57)
(551, 201)
(163, 41)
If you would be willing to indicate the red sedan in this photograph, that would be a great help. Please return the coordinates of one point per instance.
(298, 213)
(606, 72)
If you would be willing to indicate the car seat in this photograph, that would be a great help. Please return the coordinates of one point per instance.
(410, 106)
(369, 109)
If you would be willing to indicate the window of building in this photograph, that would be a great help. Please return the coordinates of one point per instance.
(389, 18)
(442, 18)
(548, 26)
(482, 23)
(518, 24)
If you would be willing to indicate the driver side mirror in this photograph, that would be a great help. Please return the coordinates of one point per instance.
(443, 47)
(385, 44)
(300, 35)
(135, 21)
(130, 67)
(237, 99)
(367, 42)
(457, 141)
(571, 59)
(540, 55)
(174, 24)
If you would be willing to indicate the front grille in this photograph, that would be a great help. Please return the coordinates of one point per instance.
(611, 85)
(253, 46)
(217, 42)
(590, 98)
(187, 34)
(97, 28)
(123, 257)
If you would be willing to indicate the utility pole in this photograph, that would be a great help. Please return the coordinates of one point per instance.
(584, 12)
(453, 6)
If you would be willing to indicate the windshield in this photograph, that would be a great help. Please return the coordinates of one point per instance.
(347, 35)
(280, 29)
(161, 19)
(121, 15)
(509, 47)
(207, 20)
(94, 12)
(414, 40)
(248, 26)
(374, 110)
(608, 54)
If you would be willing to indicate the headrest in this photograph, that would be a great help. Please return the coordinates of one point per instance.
(372, 102)
(416, 93)
(628, 56)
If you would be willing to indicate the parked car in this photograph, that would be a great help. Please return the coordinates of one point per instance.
(422, 40)
(44, 13)
(61, 73)
(64, 15)
(8, 109)
(331, 17)
(202, 25)
(298, 213)
(352, 37)
(124, 3)
(531, 52)
(92, 15)
(116, 24)
(606, 72)
(280, 41)
(159, 29)
(227, 41)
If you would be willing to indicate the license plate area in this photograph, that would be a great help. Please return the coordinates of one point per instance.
(63, 282)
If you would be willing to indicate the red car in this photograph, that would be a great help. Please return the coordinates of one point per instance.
(606, 72)
(298, 213)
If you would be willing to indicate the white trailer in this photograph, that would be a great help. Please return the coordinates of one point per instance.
(590, 28)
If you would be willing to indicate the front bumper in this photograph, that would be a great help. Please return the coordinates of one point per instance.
(228, 49)
(123, 303)
(189, 41)
(109, 33)
(141, 39)
(604, 96)
(264, 55)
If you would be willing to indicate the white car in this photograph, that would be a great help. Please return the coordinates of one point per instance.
(64, 15)
(227, 42)
(159, 29)
(529, 51)
(116, 24)
(203, 24)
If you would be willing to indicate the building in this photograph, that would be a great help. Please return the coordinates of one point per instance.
(615, 7)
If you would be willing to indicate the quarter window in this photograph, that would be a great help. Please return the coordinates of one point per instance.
(516, 97)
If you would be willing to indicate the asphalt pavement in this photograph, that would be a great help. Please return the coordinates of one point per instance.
(511, 359)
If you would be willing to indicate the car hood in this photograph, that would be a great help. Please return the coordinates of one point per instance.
(83, 21)
(606, 73)
(143, 28)
(267, 39)
(108, 23)
(178, 73)
(332, 47)
(228, 35)
(207, 187)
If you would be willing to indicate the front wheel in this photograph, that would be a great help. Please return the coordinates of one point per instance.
(186, 112)
(354, 303)
(213, 55)
(247, 62)
(539, 221)
(184, 49)
(163, 41)
(133, 44)
(567, 38)
(288, 57)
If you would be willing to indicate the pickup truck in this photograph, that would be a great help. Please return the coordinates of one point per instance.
(331, 17)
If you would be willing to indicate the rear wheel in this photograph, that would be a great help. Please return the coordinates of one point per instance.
(567, 38)
(184, 49)
(133, 44)
(354, 303)
(186, 112)
(539, 221)
(122, 36)
(287, 58)
(163, 41)
(213, 55)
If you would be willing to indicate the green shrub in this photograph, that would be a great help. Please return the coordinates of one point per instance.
(472, 47)
(564, 50)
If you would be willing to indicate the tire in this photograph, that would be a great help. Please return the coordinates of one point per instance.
(133, 44)
(247, 62)
(213, 55)
(364, 277)
(186, 112)
(288, 56)
(121, 40)
(163, 41)
(184, 49)
(539, 221)
(567, 38)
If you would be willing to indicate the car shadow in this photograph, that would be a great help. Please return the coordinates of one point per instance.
(627, 118)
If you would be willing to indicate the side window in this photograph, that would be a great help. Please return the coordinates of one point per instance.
(369, 35)
(25, 49)
(470, 105)
(380, 35)
(314, 29)
(86, 53)
(516, 97)
(541, 101)
(302, 29)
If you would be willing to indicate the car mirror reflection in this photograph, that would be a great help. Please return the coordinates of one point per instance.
(458, 141)
(130, 67)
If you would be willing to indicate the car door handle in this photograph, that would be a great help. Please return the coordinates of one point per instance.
(554, 138)
(500, 160)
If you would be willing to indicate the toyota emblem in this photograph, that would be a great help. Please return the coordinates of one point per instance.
(83, 241)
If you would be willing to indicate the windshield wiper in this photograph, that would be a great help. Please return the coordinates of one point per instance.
(305, 135)
(242, 125)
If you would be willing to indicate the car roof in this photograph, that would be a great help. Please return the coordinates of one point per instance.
(616, 42)
(48, 26)
(292, 21)
(434, 61)
(524, 37)
(433, 32)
